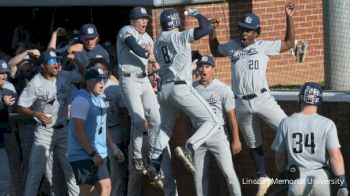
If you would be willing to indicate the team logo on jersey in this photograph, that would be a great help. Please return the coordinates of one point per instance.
(211, 100)
(90, 30)
(239, 54)
(248, 20)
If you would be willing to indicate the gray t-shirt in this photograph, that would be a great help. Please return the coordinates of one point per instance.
(50, 97)
(306, 140)
(219, 96)
(114, 101)
(173, 53)
(248, 65)
(85, 56)
(128, 61)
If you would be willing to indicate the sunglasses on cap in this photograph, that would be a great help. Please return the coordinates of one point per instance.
(53, 61)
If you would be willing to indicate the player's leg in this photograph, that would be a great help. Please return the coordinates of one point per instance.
(132, 92)
(60, 151)
(5, 177)
(38, 159)
(269, 110)
(219, 146)
(201, 163)
(170, 188)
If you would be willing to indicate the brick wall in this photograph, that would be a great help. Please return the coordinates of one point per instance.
(282, 69)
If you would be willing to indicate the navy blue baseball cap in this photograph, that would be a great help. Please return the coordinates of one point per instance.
(49, 57)
(138, 12)
(250, 21)
(89, 31)
(205, 59)
(4, 67)
(95, 73)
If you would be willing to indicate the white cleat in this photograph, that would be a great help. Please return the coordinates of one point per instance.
(264, 184)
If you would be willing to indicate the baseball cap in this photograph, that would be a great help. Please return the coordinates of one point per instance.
(4, 67)
(205, 59)
(48, 57)
(138, 12)
(95, 73)
(250, 21)
(88, 31)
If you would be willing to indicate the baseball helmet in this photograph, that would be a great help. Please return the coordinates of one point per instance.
(169, 19)
(310, 94)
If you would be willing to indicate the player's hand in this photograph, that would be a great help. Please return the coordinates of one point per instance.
(215, 22)
(97, 159)
(236, 147)
(75, 48)
(70, 57)
(119, 155)
(343, 192)
(60, 31)
(191, 12)
(290, 9)
(8, 100)
(33, 53)
(43, 118)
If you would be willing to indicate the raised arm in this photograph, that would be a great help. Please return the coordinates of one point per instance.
(53, 41)
(288, 41)
(213, 40)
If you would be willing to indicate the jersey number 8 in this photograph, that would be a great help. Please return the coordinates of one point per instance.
(302, 141)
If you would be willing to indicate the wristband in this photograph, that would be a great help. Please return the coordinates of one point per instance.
(92, 154)
(342, 179)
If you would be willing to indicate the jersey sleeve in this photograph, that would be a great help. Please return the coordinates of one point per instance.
(80, 108)
(332, 140)
(227, 48)
(187, 36)
(279, 143)
(272, 48)
(125, 32)
(229, 99)
(28, 96)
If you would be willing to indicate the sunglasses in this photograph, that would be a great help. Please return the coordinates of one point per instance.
(101, 79)
(54, 61)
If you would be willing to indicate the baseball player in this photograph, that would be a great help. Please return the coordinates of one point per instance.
(249, 58)
(173, 53)
(309, 142)
(134, 51)
(7, 99)
(220, 97)
(46, 99)
(117, 117)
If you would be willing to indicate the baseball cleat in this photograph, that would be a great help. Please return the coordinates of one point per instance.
(140, 166)
(186, 159)
(154, 177)
(264, 184)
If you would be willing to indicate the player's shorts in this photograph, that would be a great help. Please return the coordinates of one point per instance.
(86, 172)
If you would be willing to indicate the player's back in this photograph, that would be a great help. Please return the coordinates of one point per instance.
(308, 138)
(173, 53)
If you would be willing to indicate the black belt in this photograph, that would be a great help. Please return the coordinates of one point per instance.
(180, 82)
(141, 75)
(60, 126)
(251, 96)
(117, 125)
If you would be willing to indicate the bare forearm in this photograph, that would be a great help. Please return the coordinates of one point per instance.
(233, 125)
(26, 111)
(83, 140)
(53, 41)
(290, 35)
(337, 162)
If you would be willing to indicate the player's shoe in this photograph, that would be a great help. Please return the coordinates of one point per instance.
(139, 166)
(264, 184)
(186, 159)
(154, 176)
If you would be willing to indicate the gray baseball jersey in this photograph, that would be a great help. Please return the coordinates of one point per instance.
(128, 61)
(306, 140)
(50, 97)
(221, 99)
(249, 64)
(173, 53)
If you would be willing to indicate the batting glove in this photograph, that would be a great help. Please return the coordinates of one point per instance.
(343, 192)
(191, 12)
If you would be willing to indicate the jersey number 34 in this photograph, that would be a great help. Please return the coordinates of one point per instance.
(301, 141)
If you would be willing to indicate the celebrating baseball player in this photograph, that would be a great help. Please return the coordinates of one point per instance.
(135, 53)
(308, 142)
(249, 58)
(173, 53)
(220, 97)
(46, 99)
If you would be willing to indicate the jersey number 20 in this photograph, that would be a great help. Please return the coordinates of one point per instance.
(253, 64)
(302, 141)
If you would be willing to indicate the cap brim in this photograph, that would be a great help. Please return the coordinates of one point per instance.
(90, 36)
(141, 16)
(199, 63)
(247, 26)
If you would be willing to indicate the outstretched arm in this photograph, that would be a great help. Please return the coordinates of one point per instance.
(288, 41)
(213, 40)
